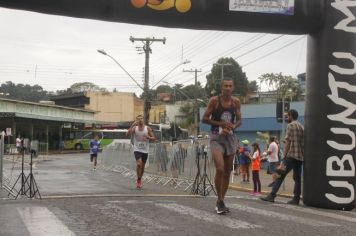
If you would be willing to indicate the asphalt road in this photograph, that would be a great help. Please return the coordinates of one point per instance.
(79, 201)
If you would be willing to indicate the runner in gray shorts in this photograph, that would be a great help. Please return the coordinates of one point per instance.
(226, 144)
(223, 114)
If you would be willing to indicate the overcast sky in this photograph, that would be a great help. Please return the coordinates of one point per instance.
(56, 51)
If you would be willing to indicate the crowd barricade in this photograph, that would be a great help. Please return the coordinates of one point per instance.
(180, 164)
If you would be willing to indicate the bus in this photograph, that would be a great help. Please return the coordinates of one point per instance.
(79, 139)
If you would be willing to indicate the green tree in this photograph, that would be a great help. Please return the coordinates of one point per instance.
(192, 92)
(81, 87)
(85, 87)
(252, 86)
(285, 85)
(164, 89)
(24, 92)
(231, 69)
(188, 111)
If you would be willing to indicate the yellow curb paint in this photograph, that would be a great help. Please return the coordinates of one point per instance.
(237, 188)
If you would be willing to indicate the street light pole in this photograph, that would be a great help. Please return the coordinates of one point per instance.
(222, 68)
(106, 54)
(169, 72)
(196, 108)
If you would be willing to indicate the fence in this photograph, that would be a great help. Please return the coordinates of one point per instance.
(184, 164)
(1, 159)
(40, 148)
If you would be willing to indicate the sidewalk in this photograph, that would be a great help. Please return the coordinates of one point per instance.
(286, 189)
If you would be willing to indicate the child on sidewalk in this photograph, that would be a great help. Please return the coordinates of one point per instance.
(255, 158)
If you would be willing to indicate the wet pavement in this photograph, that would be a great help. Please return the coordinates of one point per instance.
(79, 201)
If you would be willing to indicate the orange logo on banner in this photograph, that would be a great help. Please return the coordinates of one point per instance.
(161, 5)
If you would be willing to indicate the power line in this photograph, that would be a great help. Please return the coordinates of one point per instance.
(249, 51)
(231, 50)
(274, 51)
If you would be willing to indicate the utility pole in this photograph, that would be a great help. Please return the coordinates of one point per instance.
(196, 109)
(222, 68)
(147, 49)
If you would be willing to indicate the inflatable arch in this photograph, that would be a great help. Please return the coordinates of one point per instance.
(330, 117)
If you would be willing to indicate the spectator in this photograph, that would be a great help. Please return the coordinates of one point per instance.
(19, 145)
(255, 158)
(272, 158)
(245, 161)
(293, 158)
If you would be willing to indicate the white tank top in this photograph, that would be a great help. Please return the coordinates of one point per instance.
(141, 143)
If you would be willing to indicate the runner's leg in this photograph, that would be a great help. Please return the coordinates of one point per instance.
(228, 160)
(219, 166)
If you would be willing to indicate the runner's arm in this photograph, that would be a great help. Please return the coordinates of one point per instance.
(150, 135)
(131, 129)
(238, 113)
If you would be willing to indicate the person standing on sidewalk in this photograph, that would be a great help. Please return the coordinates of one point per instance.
(223, 114)
(94, 149)
(293, 158)
(272, 158)
(245, 161)
(19, 146)
(256, 159)
(142, 134)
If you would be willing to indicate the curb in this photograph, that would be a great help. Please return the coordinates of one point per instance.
(238, 188)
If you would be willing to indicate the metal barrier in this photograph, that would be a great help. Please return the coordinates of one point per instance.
(1, 159)
(180, 165)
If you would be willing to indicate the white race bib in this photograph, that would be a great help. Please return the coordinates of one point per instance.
(141, 145)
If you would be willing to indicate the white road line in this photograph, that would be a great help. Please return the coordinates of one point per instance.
(318, 212)
(207, 216)
(42, 222)
(125, 218)
(281, 216)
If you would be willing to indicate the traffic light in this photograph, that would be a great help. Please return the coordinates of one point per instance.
(282, 111)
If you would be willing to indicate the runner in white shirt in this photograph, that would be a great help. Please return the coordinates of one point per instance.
(142, 134)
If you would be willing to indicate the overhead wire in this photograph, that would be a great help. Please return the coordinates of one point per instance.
(231, 50)
(246, 53)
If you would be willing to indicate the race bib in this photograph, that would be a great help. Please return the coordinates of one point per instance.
(141, 145)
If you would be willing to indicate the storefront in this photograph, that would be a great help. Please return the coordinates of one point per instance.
(42, 122)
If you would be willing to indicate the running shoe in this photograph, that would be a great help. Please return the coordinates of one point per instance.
(226, 209)
(138, 184)
(220, 208)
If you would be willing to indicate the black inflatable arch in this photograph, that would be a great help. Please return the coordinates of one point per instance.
(330, 117)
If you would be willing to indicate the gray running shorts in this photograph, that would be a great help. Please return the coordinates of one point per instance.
(226, 144)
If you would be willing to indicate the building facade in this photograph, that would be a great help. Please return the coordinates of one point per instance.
(109, 106)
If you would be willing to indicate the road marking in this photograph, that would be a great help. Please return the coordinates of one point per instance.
(126, 218)
(207, 216)
(42, 222)
(319, 213)
(281, 216)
